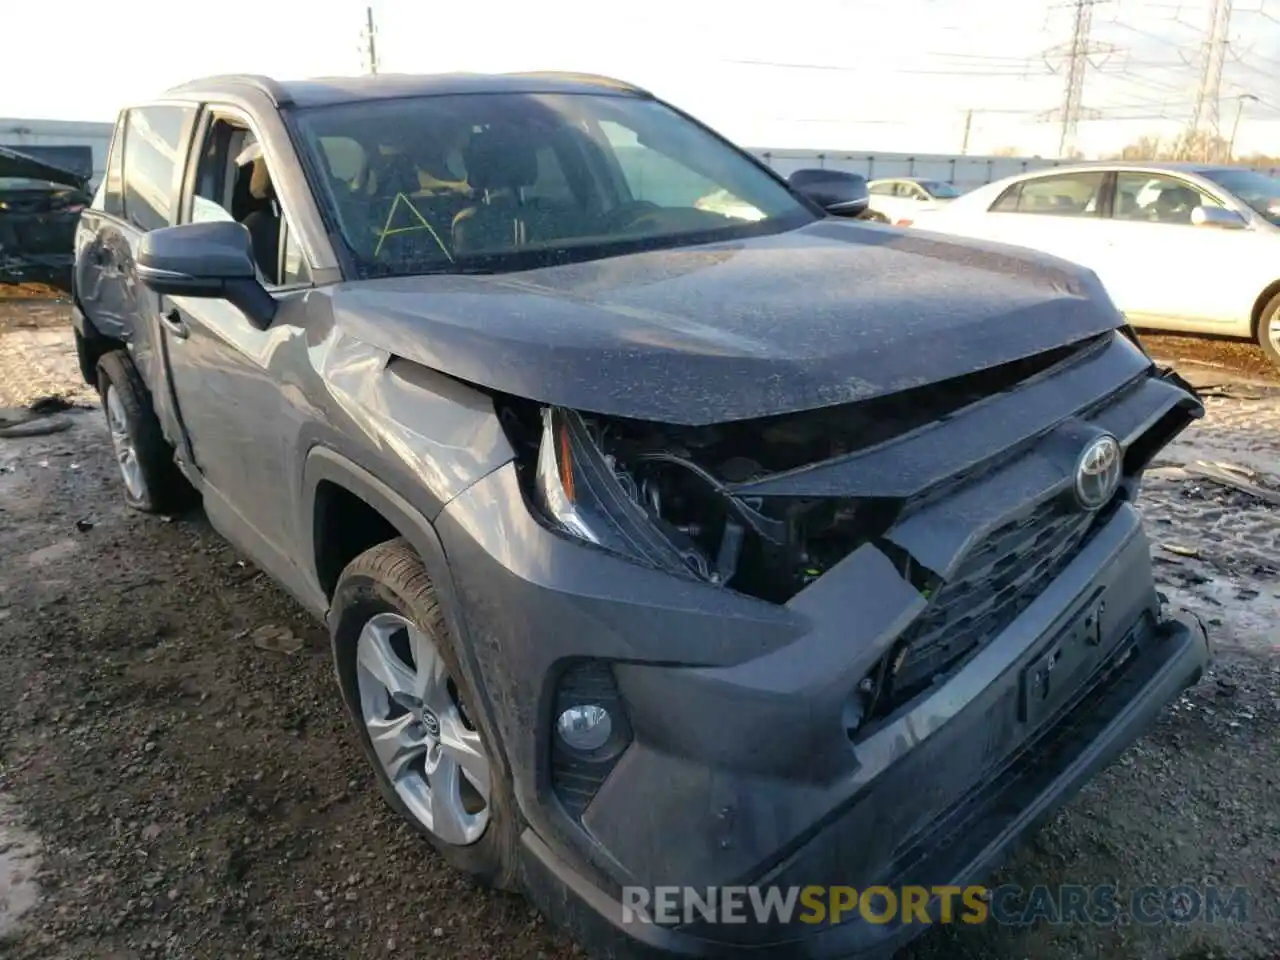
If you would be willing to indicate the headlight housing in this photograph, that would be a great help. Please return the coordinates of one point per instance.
(664, 497)
(578, 490)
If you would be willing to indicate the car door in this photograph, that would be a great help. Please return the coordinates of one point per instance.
(138, 194)
(99, 287)
(236, 417)
(1161, 269)
(1058, 214)
(881, 194)
(901, 206)
(918, 199)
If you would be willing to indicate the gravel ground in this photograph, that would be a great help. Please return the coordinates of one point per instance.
(170, 789)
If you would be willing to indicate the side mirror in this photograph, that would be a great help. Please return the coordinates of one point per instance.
(839, 193)
(1218, 217)
(213, 260)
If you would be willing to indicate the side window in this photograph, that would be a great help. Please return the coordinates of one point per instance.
(109, 197)
(651, 175)
(152, 159)
(344, 158)
(1157, 198)
(551, 184)
(1008, 202)
(234, 182)
(881, 189)
(1066, 195)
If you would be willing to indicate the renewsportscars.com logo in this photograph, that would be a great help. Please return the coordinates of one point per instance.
(1008, 905)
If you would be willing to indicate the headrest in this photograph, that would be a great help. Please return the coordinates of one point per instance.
(498, 159)
(1178, 195)
(260, 180)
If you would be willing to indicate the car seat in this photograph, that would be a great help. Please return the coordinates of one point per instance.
(263, 221)
(500, 166)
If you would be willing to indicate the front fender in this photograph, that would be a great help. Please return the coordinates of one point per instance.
(323, 464)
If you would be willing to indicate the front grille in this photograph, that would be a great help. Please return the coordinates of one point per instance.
(998, 579)
(54, 233)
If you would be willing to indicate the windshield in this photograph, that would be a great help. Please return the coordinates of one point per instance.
(1258, 190)
(943, 191)
(494, 182)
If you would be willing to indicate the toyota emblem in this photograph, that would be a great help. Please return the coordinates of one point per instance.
(1098, 472)
(431, 724)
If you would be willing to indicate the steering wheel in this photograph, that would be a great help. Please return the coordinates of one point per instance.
(621, 217)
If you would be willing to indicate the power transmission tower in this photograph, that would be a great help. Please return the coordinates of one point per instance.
(1075, 54)
(370, 48)
(1206, 119)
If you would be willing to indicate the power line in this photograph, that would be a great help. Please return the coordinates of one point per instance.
(1076, 54)
(1206, 119)
(1017, 68)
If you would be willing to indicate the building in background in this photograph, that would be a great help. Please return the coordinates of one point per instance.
(964, 172)
(61, 143)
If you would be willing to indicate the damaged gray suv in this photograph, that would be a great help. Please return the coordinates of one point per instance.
(671, 530)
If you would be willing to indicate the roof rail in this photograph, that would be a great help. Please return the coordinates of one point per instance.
(274, 91)
(599, 78)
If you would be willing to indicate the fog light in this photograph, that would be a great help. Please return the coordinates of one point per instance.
(585, 727)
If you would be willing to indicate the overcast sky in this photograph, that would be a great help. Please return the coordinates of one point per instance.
(852, 74)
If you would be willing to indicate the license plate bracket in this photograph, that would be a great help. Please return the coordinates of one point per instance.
(1062, 664)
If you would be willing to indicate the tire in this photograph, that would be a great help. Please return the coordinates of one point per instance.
(875, 217)
(87, 359)
(1269, 330)
(386, 583)
(156, 485)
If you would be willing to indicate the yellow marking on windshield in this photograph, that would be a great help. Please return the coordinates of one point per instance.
(423, 225)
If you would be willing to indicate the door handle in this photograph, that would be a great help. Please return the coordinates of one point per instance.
(175, 324)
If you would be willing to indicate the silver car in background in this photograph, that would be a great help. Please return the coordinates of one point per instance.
(901, 200)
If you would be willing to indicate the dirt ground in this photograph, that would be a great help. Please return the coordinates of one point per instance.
(171, 789)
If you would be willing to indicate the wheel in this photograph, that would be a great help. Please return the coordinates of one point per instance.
(875, 216)
(87, 359)
(1269, 330)
(400, 678)
(152, 481)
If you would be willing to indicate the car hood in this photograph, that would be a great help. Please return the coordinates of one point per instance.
(19, 165)
(830, 313)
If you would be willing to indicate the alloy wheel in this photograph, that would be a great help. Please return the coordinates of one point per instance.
(428, 747)
(123, 445)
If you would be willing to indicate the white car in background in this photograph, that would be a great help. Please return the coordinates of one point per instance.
(1192, 248)
(901, 200)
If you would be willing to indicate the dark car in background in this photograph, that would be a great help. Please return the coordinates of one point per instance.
(40, 205)
(670, 530)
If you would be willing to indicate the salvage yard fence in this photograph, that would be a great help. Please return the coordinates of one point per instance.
(964, 172)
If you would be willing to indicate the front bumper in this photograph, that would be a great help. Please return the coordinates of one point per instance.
(741, 770)
(960, 848)
(744, 760)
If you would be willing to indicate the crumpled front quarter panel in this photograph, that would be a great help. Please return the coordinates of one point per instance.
(425, 434)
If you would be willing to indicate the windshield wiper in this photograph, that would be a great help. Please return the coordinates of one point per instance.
(374, 271)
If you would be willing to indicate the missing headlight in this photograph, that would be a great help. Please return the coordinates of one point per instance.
(661, 496)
